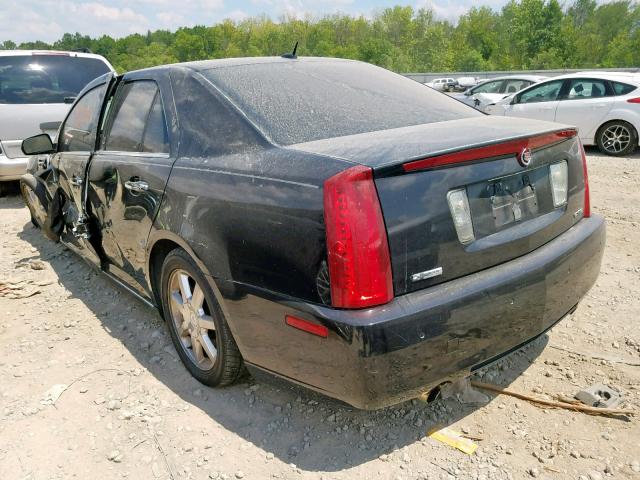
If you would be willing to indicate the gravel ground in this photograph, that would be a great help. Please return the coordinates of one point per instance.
(131, 410)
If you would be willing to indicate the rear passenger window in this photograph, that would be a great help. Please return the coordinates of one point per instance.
(137, 118)
(622, 88)
(586, 88)
(155, 138)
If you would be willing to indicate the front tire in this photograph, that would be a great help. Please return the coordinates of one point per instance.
(196, 323)
(35, 198)
(617, 138)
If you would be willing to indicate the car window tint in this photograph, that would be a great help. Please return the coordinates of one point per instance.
(489, 87)
(542, 93)
(622, 88)
(156, 139)
(132, 107)
(581, 88)
(513, 86)
(81, 125)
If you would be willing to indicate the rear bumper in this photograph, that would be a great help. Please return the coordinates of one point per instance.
(388, 354)
(12, 168)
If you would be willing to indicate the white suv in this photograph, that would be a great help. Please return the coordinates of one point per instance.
(37, 89)
(442, 84)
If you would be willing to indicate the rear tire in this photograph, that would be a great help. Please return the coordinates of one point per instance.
(617, 138)
(196, 323)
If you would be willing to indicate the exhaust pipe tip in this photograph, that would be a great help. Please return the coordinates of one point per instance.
(432, 395)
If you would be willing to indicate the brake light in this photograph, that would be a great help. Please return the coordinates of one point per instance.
(511, 147)
(634, 100)
(586, 209)
(357, 248)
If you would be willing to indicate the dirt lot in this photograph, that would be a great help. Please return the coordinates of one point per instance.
(130, 409)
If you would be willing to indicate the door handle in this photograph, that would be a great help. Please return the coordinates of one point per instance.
(76, 180)
(136, 185)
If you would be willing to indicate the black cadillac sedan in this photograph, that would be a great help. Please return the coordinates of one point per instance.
(322, 220)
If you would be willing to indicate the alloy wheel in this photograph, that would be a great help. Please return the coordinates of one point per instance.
(192, 319)
(616, 138)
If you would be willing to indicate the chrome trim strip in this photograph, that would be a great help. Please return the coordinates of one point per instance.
(434, 272)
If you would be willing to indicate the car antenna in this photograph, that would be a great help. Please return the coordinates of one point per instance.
(292, 55)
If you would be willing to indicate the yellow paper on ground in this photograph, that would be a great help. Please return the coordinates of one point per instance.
(454, 439)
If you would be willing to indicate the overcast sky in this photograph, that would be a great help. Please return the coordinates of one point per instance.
(26, 20)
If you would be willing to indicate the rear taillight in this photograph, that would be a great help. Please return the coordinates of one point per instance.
(586, 210)
(357, 247)
(634, 100)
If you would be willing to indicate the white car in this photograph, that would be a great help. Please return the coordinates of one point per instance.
(37, 89)
(604, 106)
(465, 83)
(495, 89)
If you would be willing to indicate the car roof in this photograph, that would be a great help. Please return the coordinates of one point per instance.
(604, 75)
(22, 53)
(200, 65)
(533, 78)
(10, 53)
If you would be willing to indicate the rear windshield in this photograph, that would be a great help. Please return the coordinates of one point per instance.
(302, 101)
(45, 78)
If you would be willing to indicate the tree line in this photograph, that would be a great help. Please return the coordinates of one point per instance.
(526, 34)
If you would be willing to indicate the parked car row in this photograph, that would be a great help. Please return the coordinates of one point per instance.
(450, 84)
(604, 106)
(36, 90)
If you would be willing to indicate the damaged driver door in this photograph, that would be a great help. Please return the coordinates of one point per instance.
(76, 146)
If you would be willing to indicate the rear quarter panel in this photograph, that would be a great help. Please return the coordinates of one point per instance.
(257, 226)
(254, 220)
(621, 110)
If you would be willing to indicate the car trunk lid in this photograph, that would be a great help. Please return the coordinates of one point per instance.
(511, 205)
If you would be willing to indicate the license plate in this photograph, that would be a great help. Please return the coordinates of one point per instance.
(513, 199)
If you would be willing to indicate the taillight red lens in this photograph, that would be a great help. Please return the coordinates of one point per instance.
(586, 210)
(357, 248)
(634, 100)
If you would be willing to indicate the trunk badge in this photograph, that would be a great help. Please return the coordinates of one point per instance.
(525, 157)
(434, 272)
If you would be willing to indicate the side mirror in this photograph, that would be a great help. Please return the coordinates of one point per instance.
(38, 145)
